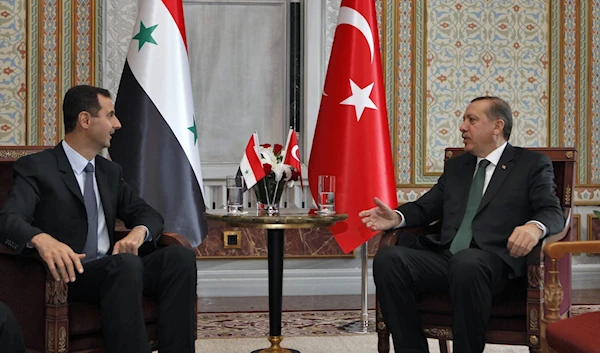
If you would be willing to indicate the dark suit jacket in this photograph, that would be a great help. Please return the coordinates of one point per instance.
(45, 197)
(521, 192)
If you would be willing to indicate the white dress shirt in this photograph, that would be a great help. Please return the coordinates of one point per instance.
(78, 163)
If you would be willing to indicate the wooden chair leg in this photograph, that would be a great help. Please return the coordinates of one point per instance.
(383, 334)
(383, 341)
(444, 346)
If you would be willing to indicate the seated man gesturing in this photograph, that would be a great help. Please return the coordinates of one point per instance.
(495, 204)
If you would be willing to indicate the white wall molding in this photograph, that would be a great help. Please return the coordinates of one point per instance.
(242, 283)
(586, 276)
(247, 283)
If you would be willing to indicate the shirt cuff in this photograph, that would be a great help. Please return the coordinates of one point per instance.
(148, 235)
(403, 222)
(541, 226)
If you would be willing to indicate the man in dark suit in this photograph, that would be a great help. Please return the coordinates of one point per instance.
(64, 203)
(10, 336)
(495, 204)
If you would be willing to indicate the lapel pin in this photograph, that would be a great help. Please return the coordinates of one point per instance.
(504, 166)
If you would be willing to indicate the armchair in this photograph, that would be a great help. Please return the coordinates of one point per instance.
(577, 334)
(47, 321)
(517, 319)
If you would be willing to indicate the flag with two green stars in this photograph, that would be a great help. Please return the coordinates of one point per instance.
(157, 145)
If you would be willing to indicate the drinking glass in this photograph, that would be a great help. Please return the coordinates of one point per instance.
(235, 190)
(326, 200)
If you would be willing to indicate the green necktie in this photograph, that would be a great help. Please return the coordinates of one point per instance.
(462, 239)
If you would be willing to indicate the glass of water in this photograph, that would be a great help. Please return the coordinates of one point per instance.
(326, 195)
(235, 192)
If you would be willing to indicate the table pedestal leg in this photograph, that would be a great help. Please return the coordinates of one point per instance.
(275, 255)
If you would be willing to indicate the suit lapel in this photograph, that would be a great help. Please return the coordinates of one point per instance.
(502, 169)
(68, 176)
(466, 177)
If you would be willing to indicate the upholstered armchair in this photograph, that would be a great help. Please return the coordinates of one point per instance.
(48, 322)
(517, 318)
(578, 334)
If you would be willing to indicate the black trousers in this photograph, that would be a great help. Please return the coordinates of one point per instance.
(118, 283)
(471, 277)
(11, 340)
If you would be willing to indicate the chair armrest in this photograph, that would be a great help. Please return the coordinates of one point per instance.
(536, 256)
(5, 250)
(168, 238)
(165, 239)
(35, 297)
(560, 236)
(556, 249)
(390, 236)
(559, 249)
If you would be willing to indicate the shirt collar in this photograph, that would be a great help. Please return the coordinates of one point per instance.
(494, 156)
(77, 161)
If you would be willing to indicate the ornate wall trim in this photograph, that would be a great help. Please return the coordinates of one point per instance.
(13, 76)
(46, 55)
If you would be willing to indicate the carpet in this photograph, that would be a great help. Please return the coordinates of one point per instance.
(356, 343)
(582, 309)
(295, 323)
(306, 331)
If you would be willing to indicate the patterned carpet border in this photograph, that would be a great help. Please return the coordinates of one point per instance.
(582, 309)
(296, 323)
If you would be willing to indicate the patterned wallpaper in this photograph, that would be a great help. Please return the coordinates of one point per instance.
(13, 93)
(484, 48)
(438, 54)
(539, 55)
(46, 47)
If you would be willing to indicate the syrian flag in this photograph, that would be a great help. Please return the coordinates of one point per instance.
(292, 154)
(251, 167)
(158, 143)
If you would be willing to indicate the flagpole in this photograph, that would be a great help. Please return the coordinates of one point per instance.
(363, 290)
(362, 325)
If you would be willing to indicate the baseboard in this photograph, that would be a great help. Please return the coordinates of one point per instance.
(586, 276)
(242, 283)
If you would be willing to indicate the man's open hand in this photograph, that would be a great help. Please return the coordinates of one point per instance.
(61, 260)
(523, 239)
(381, 217)
(131, 243)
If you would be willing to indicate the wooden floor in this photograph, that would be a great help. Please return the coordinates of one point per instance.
(330, 302)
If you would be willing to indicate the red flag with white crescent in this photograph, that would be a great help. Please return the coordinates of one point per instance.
(292, 154)
(352, 139)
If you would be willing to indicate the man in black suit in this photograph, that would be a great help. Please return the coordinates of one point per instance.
(64, 203)
(10, 336)
(495, 204)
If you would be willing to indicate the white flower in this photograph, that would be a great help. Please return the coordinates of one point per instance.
(271, 158)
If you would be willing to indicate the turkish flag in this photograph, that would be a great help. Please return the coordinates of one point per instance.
(292, 154)
(352, 139)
